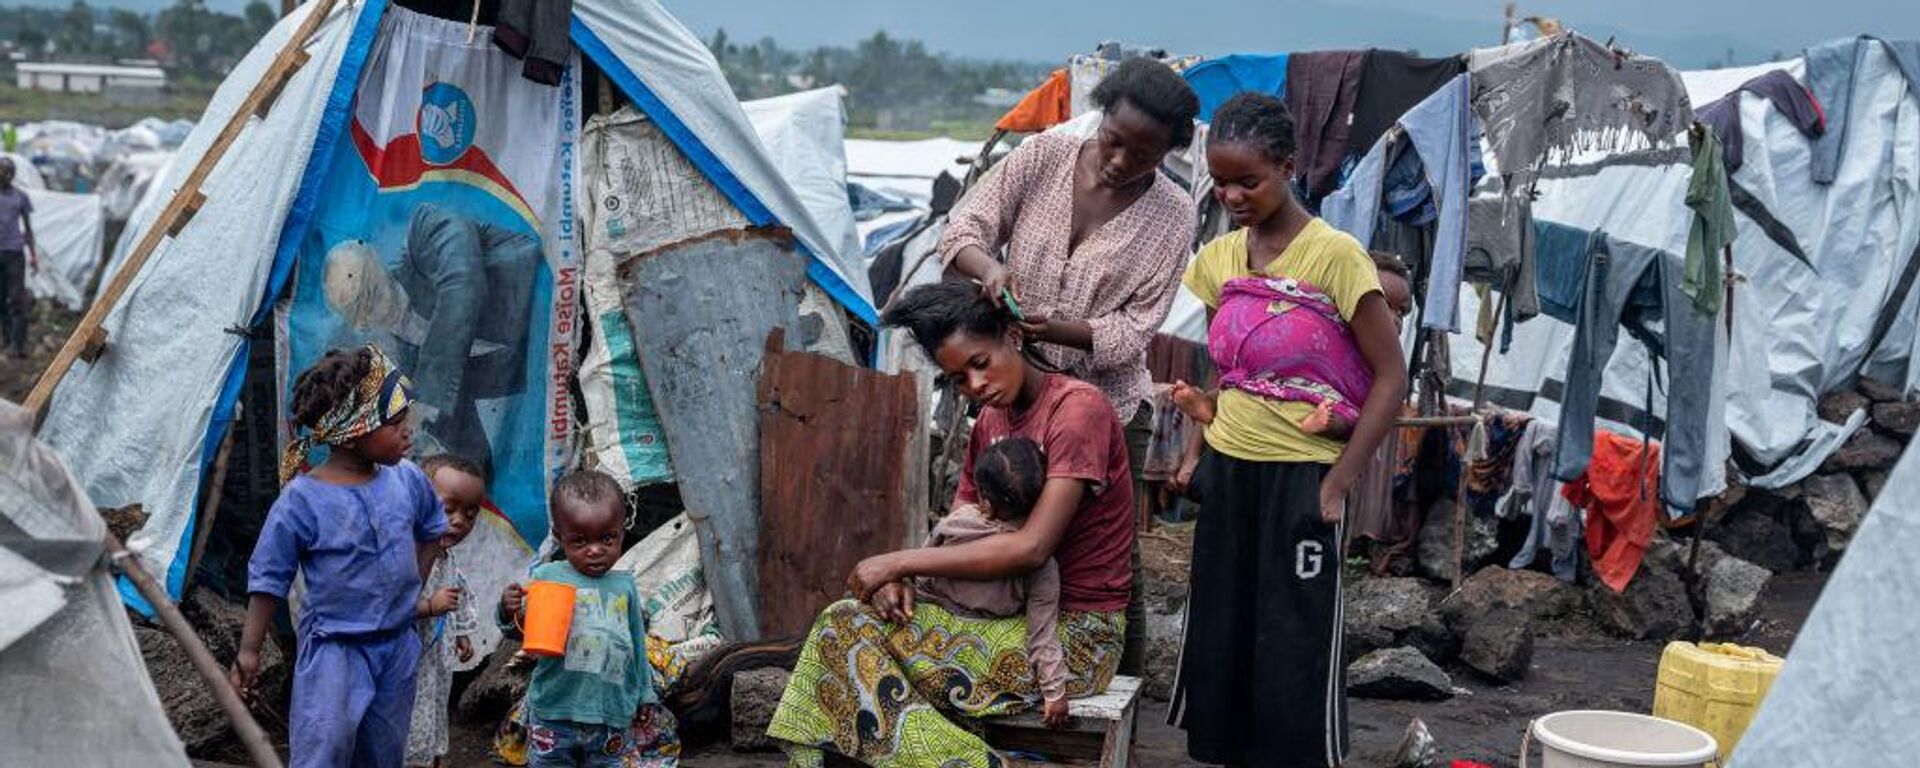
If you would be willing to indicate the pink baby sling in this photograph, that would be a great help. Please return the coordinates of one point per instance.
(1282, 339)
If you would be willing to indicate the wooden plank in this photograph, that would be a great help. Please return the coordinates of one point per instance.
(183, 199)
(701, 310)
(919, 463)
(834, 446)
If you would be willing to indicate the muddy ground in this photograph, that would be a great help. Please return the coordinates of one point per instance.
(47, 329)
(1574, 667)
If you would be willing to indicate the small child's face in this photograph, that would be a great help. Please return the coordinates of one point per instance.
(589, 533)
(462, 494)
(387, 445)
(1399, 294)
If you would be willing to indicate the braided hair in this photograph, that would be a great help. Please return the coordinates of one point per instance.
(1010, 475)
(326, 383)
(1256, 120)
(1154, 89)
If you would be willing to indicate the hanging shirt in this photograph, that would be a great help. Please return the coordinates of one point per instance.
(1621, 493)
(1255, 428)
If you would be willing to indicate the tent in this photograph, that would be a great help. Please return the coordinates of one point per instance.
(1846, 694)
(80, 691)
(174, 366)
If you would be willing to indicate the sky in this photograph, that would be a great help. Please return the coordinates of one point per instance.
(1686, 33)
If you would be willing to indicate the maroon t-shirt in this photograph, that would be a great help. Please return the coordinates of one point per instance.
(1076, 428)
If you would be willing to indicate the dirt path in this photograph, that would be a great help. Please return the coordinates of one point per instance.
(1576, 670)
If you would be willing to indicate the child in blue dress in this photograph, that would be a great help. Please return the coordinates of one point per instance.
(360, 529)
(583, 703)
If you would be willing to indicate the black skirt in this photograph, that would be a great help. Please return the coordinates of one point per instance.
(1261, 680)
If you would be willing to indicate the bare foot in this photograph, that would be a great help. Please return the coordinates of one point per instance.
(1193, 402)
(1318, 421)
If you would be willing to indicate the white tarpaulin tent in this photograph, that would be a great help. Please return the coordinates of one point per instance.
(1847, 694)
(1798, 333)
(77, 690)
(906, 169)
(172, 371)
(805, 136)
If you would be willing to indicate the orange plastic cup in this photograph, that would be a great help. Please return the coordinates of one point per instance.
(548, 618)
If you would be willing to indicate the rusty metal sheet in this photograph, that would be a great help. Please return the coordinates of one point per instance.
(701, 310)
(835, 485)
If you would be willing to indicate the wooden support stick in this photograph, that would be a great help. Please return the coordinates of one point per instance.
(216, 678)
(210, 501)
(298, 59)
(96, 343)
(164, 224)
(1460, 514)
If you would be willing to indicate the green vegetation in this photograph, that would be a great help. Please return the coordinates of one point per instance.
(895, 88)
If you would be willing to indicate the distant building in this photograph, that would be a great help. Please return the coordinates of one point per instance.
(89, 78)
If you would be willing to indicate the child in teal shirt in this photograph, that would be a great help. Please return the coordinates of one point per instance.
(582, 703)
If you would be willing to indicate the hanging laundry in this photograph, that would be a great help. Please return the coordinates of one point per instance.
(1216, 80)
(1530, 103)
(1788, 96)
(1620, 492)
(538, 32)
(1534, 494)
(1320, 91)
(1703, 278)
(1489, 478)
(1438, 130)
(1042, 108)
(1639, 286)
(1500, 250)
(1405, 193)
(1391, 83)
(1561, 254)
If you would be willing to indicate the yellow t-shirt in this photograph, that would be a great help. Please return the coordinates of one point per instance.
(1254, 428)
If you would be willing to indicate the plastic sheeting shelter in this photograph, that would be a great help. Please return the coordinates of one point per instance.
(78, 692)
(1847, 694)
(172, 371)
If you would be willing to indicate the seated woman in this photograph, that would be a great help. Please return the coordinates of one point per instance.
(880, 676)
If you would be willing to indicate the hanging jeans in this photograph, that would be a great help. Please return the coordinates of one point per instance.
(1687, 344)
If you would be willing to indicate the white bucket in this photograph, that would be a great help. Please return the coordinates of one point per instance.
(1600, 739)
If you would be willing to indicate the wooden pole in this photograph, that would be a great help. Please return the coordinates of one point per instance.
(210, 502)
(1460, 516)
(210, 671)
(179, 209)
(1506, 25)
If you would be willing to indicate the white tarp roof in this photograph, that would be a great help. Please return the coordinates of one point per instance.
(71, 231)
(78, 690)
(1847, 694)
(906, 169)
(805, 135)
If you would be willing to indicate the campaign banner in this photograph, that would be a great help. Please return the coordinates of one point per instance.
(444, 233)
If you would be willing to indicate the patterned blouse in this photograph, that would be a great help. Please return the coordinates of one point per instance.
(1120, 278)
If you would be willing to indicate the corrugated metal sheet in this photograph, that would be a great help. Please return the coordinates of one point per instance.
(835, 442)
(701, 311)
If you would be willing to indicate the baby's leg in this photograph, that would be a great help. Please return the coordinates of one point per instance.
(1323, 422)
(1192, 401)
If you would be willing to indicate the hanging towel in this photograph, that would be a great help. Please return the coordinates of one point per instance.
(1216, 80)
(1561, 253)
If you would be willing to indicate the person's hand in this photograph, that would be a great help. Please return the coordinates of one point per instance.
(1054, 713)
(1035, 327)
(245, 675)
(33, 257)
(997, 279)
(1183, 477)
(894, 602)
(463, 648)
(443, 601)
(513, 600)
(1194, 402)
(1333, 503)
(871, 574)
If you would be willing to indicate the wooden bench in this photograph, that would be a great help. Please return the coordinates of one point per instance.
(1099, 733)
